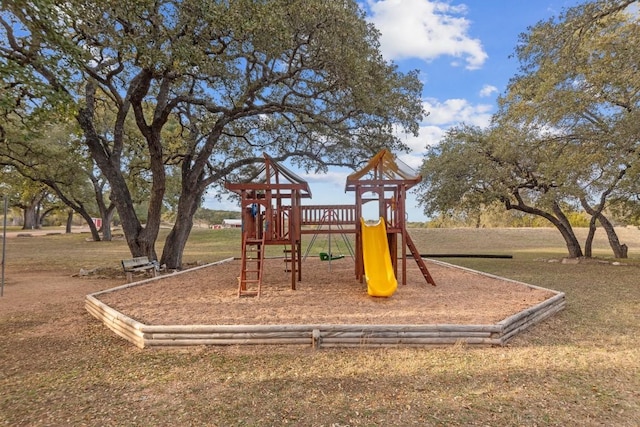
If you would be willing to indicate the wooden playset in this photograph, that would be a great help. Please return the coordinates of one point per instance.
(273, 214)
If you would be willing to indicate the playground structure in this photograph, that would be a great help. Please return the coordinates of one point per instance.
(273, 214)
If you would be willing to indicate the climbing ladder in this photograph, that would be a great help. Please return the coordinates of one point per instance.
(250, 280)
(287, 258)
(419, 260)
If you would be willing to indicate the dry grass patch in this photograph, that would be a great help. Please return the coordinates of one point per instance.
(579, 368)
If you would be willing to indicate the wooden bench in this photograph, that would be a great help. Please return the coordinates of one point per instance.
(138, 264)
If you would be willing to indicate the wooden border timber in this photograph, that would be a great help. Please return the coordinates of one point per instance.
(322, 335)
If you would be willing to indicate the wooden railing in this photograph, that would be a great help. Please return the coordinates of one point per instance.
(328, 214)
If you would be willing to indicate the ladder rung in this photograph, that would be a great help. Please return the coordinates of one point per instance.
(250, 281)
(248, 293)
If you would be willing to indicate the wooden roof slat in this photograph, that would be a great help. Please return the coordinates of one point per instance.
(272, 170)
(383, 168)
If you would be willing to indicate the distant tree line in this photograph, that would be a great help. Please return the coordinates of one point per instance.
(214, 217)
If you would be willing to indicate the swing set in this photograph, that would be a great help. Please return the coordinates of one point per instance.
(327, 221)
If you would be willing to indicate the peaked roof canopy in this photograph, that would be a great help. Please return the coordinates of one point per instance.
(274, 176)
(382, 169)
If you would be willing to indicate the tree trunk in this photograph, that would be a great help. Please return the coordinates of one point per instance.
(179, 234)
(570, 239)
(559, 221)
(67, 229)
(42, 216)
(192, 187)
(30, 217)
(562, 223)
(107, 219)
(588, 244)
(141, 240)
(619, 250)
(106, 212)
(77, 207)
(32, 211)
(95, 235)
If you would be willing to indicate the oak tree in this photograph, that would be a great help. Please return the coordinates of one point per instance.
(301, 80)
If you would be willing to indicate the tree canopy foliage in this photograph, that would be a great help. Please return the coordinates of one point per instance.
(210, 86)
(566, 133)
(51, 155)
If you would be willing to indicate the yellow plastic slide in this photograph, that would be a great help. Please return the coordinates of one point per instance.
(378, 270)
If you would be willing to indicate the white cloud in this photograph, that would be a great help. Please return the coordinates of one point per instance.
(425, 29)
(442, 116)
(336, 177)
(488, 90)
(454, 111)
(411, 160)
(431, 135)
(427, 136)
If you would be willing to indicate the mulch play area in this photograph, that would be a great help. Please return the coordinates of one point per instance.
(328, 293)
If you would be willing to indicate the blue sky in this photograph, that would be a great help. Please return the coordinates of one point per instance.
(462, 49)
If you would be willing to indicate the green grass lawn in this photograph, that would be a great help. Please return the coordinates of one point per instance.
(579, 368)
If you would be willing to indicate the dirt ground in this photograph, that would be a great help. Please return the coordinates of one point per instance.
(29, 291)
(328, 294)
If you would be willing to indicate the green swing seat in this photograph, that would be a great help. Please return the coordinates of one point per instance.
(327, 257)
